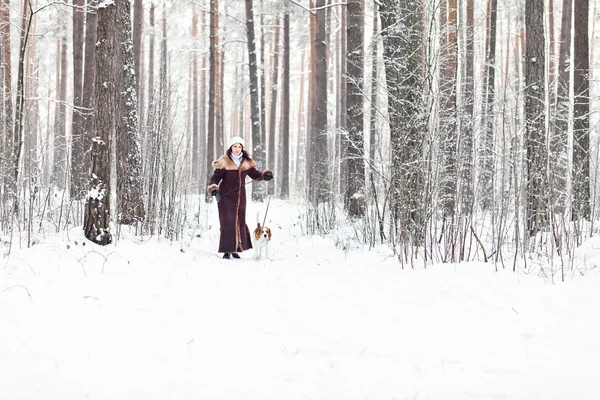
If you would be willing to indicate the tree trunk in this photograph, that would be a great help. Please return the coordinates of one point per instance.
(194, 112)
(487, 145)
(559, 131)
(78, 181)
(60, 128)
(97, 209)
(212, 65)
(535, 111)
(354, 196)
(89, 90)
(403, 59)
(6, 140)
(258, 193)
(467, 123)
(284, 170)
(138, 26)
(448, 110)
(319, 176)
(581, 114)
(129, 165)
(273, 111)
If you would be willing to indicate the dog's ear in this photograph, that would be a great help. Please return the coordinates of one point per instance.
(268, 232)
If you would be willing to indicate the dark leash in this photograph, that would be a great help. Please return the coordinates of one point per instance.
(267, 210)
(218, 195)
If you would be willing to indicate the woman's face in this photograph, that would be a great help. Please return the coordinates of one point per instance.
(236, 149)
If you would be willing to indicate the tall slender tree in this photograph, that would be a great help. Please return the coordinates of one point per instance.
(487, 142)
(535, 111)
(6, 108)
(128, 163)
(448, 108)
(97, 209)
(274, 98)
(285, 109)
(212, 66)
(258, 145)
(581, 113)
(59, 175)
(559, 131)
(319, 182)
(78, 181)
(354, 199)
(89, 76)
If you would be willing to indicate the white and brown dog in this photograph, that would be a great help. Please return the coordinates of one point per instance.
(261, 239)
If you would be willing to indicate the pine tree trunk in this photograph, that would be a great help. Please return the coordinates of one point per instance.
(78, 181)
(559, 131)
(212, 65)
(194, 112)
(273, 111)
(581, 113)
(467, 123)
(6, 108)
(258, 193)
(97, 209)
(284, 170)
(354, 200)
(487, 145)
(60, 135)
(129, 164)
(319, 176)
(535, 110)
(89, 89)
(403, 58)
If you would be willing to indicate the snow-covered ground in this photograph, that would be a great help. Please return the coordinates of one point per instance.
(152, 320)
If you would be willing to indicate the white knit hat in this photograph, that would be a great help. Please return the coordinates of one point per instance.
(234, 140)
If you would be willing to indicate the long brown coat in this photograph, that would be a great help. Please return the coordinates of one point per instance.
(231, 183)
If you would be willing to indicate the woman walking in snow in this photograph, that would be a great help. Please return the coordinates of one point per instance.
(228, 184)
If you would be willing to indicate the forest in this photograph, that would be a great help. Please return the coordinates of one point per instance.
(448, 130)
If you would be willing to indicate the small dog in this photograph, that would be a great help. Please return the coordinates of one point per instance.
(261, 239)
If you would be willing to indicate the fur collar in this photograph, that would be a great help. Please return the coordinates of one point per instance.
(224, 162)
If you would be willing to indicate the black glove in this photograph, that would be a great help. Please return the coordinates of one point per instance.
(214, 192)
(268, 176)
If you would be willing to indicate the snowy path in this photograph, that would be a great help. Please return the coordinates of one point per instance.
(314, 323)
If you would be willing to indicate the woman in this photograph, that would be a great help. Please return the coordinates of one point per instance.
(228, 184)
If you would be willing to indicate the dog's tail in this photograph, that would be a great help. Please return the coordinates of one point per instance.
(258, 219)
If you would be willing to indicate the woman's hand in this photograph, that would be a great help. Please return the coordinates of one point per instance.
(267, 175)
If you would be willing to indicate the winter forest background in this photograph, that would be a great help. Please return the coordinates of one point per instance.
(448, 130)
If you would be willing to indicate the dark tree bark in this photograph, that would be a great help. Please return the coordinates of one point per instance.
(89, 77)
(128, 164)
(581, 113)
(6, 108)
(535, 111)
(284, 170)
(448, 110)
(97, 209)
(20, 110)
(258, 193)
(273, 111)
(354, 196)
(402, 33)
(487, 145)
(319, 183)
(138, 26)
(194, 112)
(212, 66)
(78, 178)
(559, 139)
(466, 149)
